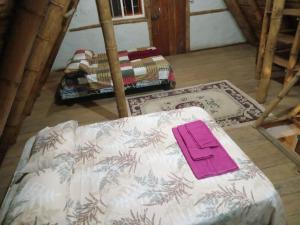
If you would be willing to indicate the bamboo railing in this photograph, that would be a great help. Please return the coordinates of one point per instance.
(293, 59)
(275, 23)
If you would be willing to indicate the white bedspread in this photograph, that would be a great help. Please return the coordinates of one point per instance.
(131, 171)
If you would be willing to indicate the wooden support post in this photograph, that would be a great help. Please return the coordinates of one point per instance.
(104, 14)
(293, 59)
(243, 23)
(263, 38)
(275, 24)
(43, 45)
(277, 100)
(23, 32)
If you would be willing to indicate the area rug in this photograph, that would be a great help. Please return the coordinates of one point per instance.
(228, 105)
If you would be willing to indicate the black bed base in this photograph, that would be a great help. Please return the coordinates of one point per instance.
(164, 86)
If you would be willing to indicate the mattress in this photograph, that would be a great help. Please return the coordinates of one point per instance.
(88, 74)
(131, 171)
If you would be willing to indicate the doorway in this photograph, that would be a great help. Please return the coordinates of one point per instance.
(169, 25)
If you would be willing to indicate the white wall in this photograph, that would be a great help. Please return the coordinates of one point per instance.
(201, 5)
(128, 35)
(206, 31)
(212, 30)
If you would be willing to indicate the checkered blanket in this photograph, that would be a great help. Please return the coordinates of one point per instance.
(91, 72)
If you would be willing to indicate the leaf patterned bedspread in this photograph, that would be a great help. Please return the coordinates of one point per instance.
(131, 171)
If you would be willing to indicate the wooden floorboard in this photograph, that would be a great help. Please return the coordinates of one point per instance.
(234, 63)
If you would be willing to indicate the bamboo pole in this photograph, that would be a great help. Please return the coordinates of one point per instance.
(104, 14)
(243, 23)
(39, 83)
(277, 100)
(263, 38)
(293, 59)
(43, 45)
(23, 32)
(275, 24)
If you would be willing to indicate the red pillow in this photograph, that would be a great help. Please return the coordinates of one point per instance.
(143, 54)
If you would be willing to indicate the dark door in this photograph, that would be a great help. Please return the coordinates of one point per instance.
(169, 25)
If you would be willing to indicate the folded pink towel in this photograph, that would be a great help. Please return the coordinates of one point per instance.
(195, 139)
(196, 151)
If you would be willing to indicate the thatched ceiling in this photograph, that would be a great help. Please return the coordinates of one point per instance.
(6, 7)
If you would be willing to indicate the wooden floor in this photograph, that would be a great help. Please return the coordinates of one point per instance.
(234, 63)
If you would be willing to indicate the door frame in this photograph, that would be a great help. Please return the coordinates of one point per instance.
(147, 5)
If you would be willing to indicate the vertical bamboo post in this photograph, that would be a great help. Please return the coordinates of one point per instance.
(293, 57)
(23, 32)
(275, 24)
(39, 83)
(277, 100)
(263, 38)
(104, 14)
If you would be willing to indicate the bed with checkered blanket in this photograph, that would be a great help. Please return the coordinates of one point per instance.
(88, 74)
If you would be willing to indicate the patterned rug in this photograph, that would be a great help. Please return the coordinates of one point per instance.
(229, 106)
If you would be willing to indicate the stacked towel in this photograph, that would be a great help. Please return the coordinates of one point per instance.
(202, 151)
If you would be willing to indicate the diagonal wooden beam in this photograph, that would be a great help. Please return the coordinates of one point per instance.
(236, 11)
(256, 10)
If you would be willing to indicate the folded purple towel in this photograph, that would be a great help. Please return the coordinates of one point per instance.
(196, 138)
(196, 151)
(206, 139)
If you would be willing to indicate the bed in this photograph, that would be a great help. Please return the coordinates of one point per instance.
(87, 75)
(131, 171)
